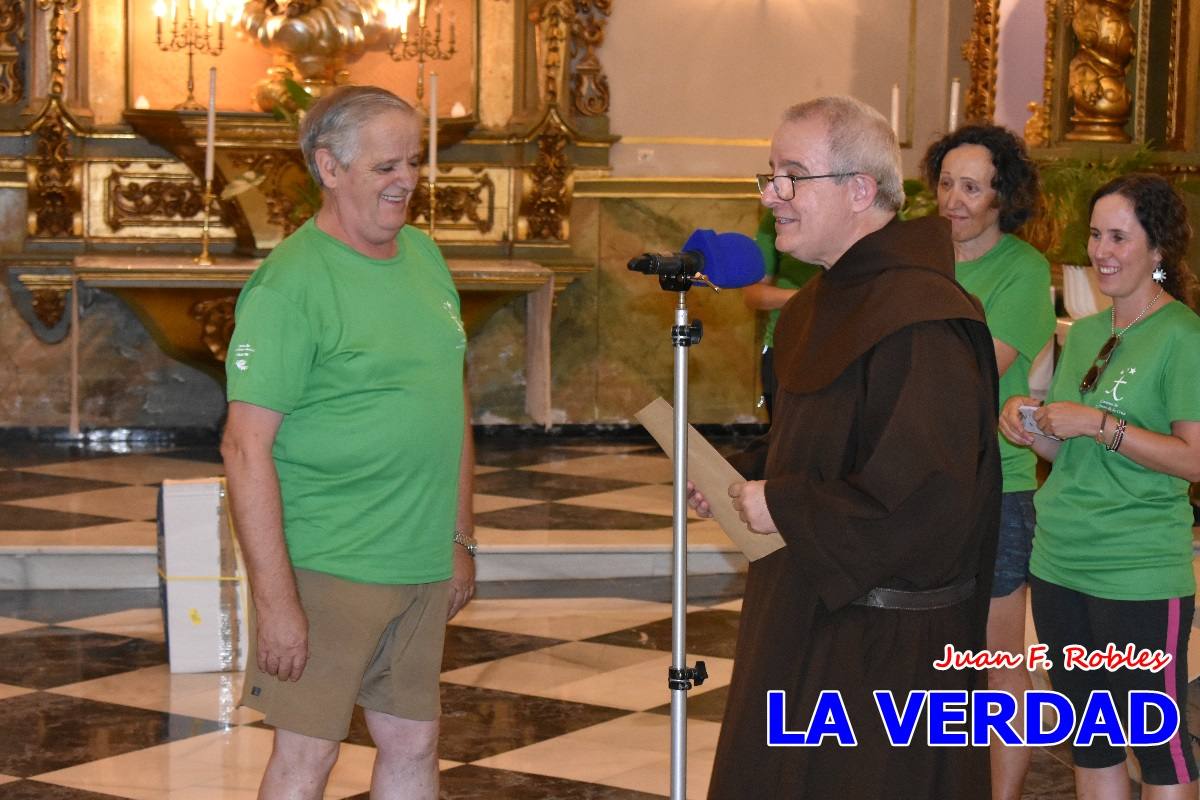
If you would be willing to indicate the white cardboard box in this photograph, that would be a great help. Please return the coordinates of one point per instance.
(200, 568)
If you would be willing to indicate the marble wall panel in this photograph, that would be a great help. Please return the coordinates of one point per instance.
(611, 349)
(125, 380)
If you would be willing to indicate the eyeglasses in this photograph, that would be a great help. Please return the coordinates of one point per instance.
(785, 185)
(1102, 358)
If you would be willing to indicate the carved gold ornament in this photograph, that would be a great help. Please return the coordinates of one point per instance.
(1101, 99)
(315, 39)
(12, 36)
(216, 324)
(980, 53)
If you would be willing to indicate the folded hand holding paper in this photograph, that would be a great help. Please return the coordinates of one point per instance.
(712, 476)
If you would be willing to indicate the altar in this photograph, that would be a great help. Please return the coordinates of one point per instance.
(188, 309)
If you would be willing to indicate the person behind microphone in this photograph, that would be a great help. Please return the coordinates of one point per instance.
(784, 275)
(988, 187)
(348, 454)
(881, 472)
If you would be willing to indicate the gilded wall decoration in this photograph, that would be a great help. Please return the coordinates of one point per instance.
(980, 53)
(547, 198)
(462, 203)
(55, 194)
(286, 185)
(552, 20)
(216, 324)
(164, 200)
(1102, 101)
(12, 37)
(589, 84)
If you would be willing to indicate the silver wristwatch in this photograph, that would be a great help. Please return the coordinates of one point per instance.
(466, 541)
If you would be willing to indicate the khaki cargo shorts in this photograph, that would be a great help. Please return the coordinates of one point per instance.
(376, 645)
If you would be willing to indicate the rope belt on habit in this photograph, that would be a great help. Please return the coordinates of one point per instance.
(901, 600)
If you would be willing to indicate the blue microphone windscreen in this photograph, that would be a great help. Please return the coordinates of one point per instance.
(731, 260)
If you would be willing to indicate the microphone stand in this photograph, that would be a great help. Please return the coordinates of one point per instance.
(680, 677)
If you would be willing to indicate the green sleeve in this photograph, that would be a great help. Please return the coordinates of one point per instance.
(1021, 315)
(764, 237)
(271, 351)
(1180, 388)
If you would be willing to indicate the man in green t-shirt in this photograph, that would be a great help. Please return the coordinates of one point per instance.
(784, 275)
(348, 454)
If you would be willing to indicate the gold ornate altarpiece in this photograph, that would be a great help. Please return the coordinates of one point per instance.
(130, 191)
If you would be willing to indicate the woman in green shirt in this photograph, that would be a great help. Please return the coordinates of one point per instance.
(987, 187)
(1112, 558)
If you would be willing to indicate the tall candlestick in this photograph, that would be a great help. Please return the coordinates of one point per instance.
(955, 88)
(211, 133)
(896, 110)
(433, 127)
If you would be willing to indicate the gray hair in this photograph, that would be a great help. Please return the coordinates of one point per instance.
(332, 123)
(861, 141)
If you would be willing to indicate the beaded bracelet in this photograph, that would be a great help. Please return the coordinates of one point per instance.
(1118, 437)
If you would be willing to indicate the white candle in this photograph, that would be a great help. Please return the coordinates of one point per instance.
(896, 110)
(211, 133)
(955, 88)
(433, 127)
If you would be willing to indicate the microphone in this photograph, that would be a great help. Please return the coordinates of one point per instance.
(726, 260)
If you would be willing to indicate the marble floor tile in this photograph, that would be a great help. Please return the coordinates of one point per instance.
(493, 454)
(483, 503)
(111, 533)
(544, 485)
(41, 658)
(140, 623)
(45, 732)
(16, 520)
(209, 454)
(649, 499)
(133, 469)
(206, 695)
(711, 631)
(58, 605)
(477, 723)
(471, 782)
(7, 691)
(225, 765)
(471, 645)
(124, 502)
(641, 467)
(24, 484)
(558, 516)
(709, 706)
(630, 752)
(12, 625)
(8, 779)
(729, 605)
(581, 672)
(37, 790)
(568, 618)
(614, 539)
(14, 455)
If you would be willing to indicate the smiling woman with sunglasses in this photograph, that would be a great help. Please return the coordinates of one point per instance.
(1112, 557)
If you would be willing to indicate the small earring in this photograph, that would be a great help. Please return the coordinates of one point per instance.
(1159, 275)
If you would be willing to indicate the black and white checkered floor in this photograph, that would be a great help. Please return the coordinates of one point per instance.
(550, 689)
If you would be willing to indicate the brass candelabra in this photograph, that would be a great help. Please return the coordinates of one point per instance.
(191, 34)
(422, 42)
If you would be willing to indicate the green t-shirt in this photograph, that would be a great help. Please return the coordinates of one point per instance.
(1106, 525)
(789, 273)
(364, 358)
(1012, 280)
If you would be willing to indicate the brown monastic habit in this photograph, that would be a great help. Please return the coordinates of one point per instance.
(882, 470)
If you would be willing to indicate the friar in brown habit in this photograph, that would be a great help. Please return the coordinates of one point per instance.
(880, 471)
